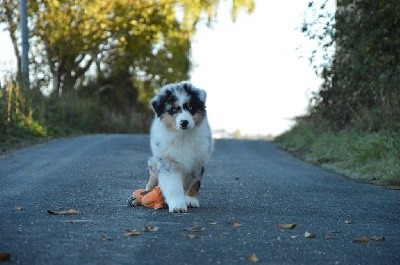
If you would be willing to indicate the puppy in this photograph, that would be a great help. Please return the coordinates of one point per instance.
(181, 143)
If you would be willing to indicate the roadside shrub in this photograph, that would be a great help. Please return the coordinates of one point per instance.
(366, 156)
(16, 114)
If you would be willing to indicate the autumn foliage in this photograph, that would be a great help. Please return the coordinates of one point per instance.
(110, 54)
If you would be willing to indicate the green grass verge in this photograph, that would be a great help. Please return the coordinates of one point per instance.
(370, 157)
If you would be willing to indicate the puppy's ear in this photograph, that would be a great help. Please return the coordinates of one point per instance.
(158, 104)
(202, 95)
(190, 89)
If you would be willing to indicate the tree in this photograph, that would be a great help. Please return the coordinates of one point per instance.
(72, 35)
(361, 82)
(113, 53)
(9, 16)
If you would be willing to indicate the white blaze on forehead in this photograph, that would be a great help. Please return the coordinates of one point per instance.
(182, 97)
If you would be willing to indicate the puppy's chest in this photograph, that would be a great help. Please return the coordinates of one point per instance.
(185, 151)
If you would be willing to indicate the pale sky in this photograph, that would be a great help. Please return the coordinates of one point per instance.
(251, 69)
(255, 76)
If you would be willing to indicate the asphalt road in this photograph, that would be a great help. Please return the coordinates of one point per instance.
(249, 188)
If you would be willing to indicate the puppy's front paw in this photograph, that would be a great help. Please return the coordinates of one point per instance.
(192, 202)
(177, 207)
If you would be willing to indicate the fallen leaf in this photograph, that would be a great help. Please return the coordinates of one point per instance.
(78, 221)
(195, 229)
(366, 239)
(5, 256)
(150, 228)
(132, 233)
(329, 235)
(236, 224)
(287, 226)
(192, 236)
(349, 222)
(66, 212)
(106, 238)
(253, 258)
(213, 223)
(309, 235)
(19, 208)
(294, 237)
(362, 240)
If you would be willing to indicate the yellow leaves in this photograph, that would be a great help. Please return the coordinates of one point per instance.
(246, 5)
(56, 3)
(103, 26)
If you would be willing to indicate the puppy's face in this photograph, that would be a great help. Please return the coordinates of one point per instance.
(180, 106)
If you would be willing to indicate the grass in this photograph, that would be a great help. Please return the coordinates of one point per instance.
(364, 156)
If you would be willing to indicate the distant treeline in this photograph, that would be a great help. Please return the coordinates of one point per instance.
(94, 64)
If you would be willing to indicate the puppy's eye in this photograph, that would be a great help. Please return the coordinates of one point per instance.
(189, 107)
(174, 109)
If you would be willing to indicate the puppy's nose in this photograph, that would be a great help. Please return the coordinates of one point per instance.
(184, 124)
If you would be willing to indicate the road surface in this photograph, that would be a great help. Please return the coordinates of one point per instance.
(249, 189)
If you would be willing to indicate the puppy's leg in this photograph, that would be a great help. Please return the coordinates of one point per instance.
(153, 180)
(172, 187)
(191, 195)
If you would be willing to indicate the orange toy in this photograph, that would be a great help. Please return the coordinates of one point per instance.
(151, 199)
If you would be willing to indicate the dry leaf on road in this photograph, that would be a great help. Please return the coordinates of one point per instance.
(236, 224)
(309, 235)
(253, 258)
(132, 233)
(195, 229)
(66, 212)
(106, 238)
(192, 236)
(366, 239)
(150, 228)
(362, 240)
(330, 235)
(287, 226)
(5, 256)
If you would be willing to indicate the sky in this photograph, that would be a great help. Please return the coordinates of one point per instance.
(255, 70)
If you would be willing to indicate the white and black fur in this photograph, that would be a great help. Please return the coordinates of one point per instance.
(181, 143)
